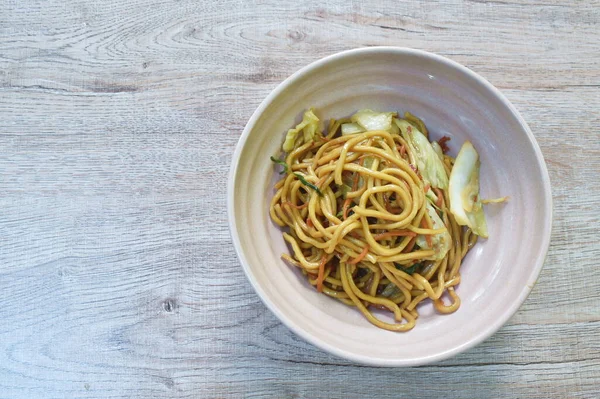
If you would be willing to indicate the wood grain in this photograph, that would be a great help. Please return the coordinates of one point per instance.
(118, 120)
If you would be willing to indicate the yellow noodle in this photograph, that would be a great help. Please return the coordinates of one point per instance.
(359, 206)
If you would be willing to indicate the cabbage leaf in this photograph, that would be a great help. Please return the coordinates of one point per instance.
(370, 120)
(463, 191)
(308, 127)
(351, 128)
(428, 161)
(441, 243)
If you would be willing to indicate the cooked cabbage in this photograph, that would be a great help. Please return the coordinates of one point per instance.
(370, 120)
(442, 242)
(417, 122)
(351, 128)
(463, 191)
(438, 150)
(428, 162)
(431, 196)
(309, 127)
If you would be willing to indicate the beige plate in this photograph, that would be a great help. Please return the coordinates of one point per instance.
(497, 274)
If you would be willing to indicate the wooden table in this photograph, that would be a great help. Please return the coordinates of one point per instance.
(118, 120)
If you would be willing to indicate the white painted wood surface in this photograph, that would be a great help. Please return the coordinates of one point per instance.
(118, 120)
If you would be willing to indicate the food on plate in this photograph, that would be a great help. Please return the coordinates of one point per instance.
(376, 213)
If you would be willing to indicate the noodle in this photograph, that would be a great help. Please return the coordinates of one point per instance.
(359, 222)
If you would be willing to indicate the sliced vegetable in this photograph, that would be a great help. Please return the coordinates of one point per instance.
(417, 122)
(394, 129)
(321, 275)
(410, 269)
(370, 120)
(368, 163)
(440, 198)
(438, 150)
(345, 207)
(351, 128)
(495, 200)
(428, 162)
(440, 243)
(443, 143)
(390, 290)
(463, 191)
(308, 127)
(308, 184)
(282, 163)
(431, 195)
(360, 256)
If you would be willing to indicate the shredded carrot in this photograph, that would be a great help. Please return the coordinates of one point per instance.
(401, 149)
(396, 233)
(411, 245)
(309, 222)
(425, 225)
(345, 207)
(361, 256)
(442, 143)
(356, 176)
(295, 206)
(321, 275)
(440, 196)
